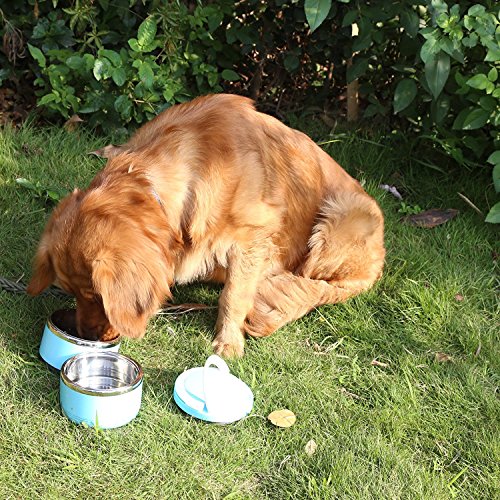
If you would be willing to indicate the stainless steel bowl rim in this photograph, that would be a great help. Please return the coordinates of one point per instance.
(78, 341)
(101, 392)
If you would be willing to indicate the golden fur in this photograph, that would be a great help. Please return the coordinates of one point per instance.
(212, 190)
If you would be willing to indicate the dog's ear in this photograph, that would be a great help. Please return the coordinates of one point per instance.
(43, 270)
(109, 151)
(132, 290)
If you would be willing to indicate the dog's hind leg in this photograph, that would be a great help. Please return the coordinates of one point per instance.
(346, 255)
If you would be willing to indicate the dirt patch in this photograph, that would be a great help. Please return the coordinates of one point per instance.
(15, 106)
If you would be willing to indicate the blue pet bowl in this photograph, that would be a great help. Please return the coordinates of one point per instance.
(102, 389)
(60, 341)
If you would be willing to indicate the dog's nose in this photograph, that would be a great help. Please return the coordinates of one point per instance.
(91, 332)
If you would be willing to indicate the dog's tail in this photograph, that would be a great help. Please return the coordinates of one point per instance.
(347, 240)
(346, 256)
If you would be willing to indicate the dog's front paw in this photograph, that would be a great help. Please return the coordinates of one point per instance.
(229, 346)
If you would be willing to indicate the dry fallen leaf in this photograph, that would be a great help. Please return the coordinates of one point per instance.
(442, 357)
(282, 418)
(375, 362)
(71, 124)
(310, 447)
(431, 218)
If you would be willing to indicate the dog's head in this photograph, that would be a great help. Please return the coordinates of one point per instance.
(109, 248)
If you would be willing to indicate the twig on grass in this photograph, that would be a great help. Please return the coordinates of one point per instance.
(470, 204)
(183, 309)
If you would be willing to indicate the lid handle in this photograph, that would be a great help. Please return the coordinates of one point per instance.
(208, 388)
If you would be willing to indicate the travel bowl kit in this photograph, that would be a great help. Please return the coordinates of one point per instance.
(101, 387)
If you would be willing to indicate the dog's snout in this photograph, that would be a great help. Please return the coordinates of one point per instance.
(91, 332)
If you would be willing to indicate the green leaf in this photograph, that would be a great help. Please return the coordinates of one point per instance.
(436, 73)
(349, 18)
(493, 75)
(134, 45)
(26, 184)
(476, 119)
(91, 106)
(488, 103)
(53, 195)
(146, 33)
(230, 75)
(496, 176)
(37, 55)
(98, 69)
(494, 158)
(291, 62)
(443, 20)
(146, 74)
(410, 21)
(493, 216)
(429, 49)
(316, 12)
(406, 90)
(214, 18)
(475, 144)
(89, 61)
(476, 10)
(112, 56)
(46, 99)
(212, 78)
(440, 108)
(470, 41)
(493, 54)
(447, 45)
(455, 10)
(75, 62)
(371, 110)
(460, 119)
(118, 75)
(124, 106)
(478, 82)
(357, 69)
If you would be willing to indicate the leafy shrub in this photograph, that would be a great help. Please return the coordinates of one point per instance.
(125, 68)
(124, 61)
(435, 66)
(431, 66)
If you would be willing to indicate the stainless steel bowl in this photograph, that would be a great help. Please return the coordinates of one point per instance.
(101, 389)
(62, 323)
(101, 373)
(60, 342)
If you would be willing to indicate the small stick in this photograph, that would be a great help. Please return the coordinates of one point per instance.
(183, 308)
(470, 204)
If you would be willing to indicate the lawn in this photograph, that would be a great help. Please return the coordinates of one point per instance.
(422, 423)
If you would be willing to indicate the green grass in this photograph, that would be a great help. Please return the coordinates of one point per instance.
(417, 428)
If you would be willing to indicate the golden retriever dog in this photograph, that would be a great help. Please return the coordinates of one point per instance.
(212, 190)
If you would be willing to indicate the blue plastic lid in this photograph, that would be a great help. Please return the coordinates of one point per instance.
(211, 393)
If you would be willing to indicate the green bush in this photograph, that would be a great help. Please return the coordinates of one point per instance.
(119, 66)
(431, 66)
(435, 66)
(123, 61)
